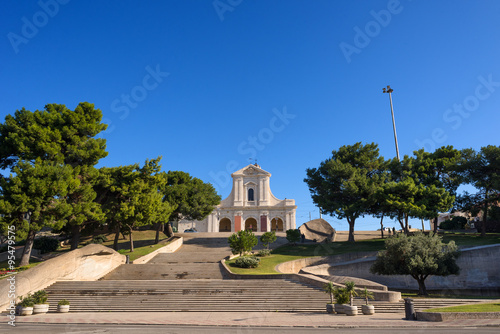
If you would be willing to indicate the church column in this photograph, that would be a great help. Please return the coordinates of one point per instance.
(264, 226)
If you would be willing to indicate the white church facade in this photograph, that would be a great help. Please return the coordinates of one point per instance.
(250, 206)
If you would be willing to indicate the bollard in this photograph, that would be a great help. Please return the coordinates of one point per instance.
(127, 260)
(409, 309)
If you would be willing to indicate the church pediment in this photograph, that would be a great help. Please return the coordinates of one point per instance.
(251, 170)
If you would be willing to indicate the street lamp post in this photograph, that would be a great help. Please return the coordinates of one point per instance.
(390, 90)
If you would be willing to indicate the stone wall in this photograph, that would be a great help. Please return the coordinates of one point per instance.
(479, 269)
(173, 245)
(85, 264)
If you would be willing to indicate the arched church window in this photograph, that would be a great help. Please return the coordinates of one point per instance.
(250, 195)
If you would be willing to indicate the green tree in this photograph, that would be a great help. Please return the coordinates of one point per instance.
(192, 198)
(350, 291)
(31, 198)
(59, 135)
(481, 170)
(409, 190)
(330, 289)
(268, 238)
(440, 168)
(131, 197)
(293, 235)
(344, 185)
(418, 256)
(241, 242)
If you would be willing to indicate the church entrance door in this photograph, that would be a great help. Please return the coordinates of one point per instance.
(251, 224)
(225, 225)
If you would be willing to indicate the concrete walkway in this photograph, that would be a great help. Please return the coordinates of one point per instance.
(246, 319)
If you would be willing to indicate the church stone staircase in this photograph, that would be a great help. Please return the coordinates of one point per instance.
(191, 280)
(214, 295)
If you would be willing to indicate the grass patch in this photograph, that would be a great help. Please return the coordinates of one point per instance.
(415, 295)
(4, 266)
(141, 251)
(488, 307)
(470, 240)
(266, 266)
(289, 252)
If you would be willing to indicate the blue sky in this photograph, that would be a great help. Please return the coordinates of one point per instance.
(210, 85)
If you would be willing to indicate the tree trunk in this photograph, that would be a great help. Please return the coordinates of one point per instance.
(75, 238)
(423, 226)
(485, 215)
(351, 229)
(158, 228)
(382, 226)
(25, 259)
(422, 291)
(407, 230)
(131, 240)
(170, 231)
(435, 227)
(115, 242)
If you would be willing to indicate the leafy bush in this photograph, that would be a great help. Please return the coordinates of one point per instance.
(341, 296)
(243, 241)
(293, 235)
(98, 239)
(268, 238)
(456, 223)
(27, 301)
(63, 302)
(46, 244)
(40, 297)
(264, 252)
(247, 262)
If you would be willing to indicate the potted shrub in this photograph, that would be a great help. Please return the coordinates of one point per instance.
(63, 306)
(329, 288)
(341, 298)
(367, 309)
(26, 305)
(40, 298)
(351, 293)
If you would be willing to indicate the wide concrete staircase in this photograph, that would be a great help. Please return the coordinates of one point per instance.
(256, 295)
(188, 295)
(191, 280)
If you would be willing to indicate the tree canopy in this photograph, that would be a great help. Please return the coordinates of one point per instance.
(344, 185)
(418, 256)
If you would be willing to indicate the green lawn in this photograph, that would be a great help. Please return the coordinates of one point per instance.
(489, 307)
(143, 243)
(470, 240)
(289, 252)
(266, 266)
(414, 295)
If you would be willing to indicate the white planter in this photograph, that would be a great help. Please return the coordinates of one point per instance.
(63, 308)
(40, 308)
(26, 311)
(368, 309)
(339, 308)
(350, 310)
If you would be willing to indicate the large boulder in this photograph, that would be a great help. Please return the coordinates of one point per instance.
(319, 230)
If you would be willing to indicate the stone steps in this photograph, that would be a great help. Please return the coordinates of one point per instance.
(269, 295)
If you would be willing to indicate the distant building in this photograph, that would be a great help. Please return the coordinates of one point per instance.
(250, 206)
